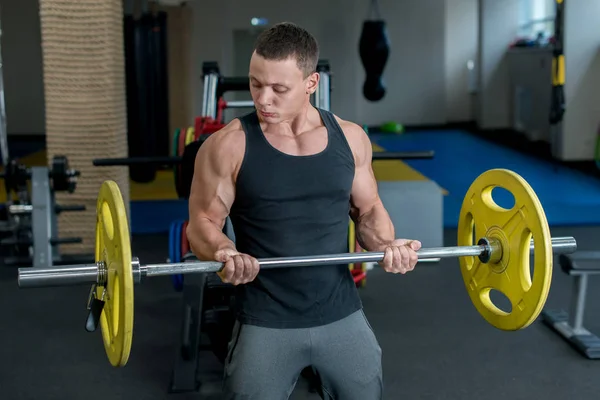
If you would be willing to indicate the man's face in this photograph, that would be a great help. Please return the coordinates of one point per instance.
(279, 89)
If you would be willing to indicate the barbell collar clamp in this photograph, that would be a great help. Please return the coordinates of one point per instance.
(493, 250)
(139, 271)
(102, 272)
(487, 250)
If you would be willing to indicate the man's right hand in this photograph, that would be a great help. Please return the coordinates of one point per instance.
(238, 269)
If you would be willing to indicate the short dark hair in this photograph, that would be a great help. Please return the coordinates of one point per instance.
(285, 40)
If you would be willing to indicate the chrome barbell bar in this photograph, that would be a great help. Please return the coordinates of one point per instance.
(486, 250)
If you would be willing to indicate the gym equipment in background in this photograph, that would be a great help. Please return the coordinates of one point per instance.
(178, 248)
(4, 154)
(187, 140)
(321, 98)
(569, 325)
(391, 127)
(31, 228)
(558, 106)
(147, 90)
(498, 260)
(216, 85)
(374, 50)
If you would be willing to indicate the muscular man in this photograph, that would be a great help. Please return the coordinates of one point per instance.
(288, 175)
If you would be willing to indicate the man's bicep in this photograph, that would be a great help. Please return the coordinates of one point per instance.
(212, 191)
(364, 191)
(364, 187)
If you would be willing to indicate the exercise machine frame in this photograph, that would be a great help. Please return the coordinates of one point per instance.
(33, 219)
(215, 85)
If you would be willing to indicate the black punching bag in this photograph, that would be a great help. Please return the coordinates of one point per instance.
(374, 52)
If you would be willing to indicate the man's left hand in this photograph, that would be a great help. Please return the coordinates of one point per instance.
(400, 256)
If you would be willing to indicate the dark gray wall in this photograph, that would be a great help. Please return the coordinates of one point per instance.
(22, 66)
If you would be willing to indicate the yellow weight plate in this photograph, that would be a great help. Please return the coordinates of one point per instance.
(189, 136)
(114, 250)
(513, 228)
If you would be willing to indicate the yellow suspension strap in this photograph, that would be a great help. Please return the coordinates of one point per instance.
(558, 66)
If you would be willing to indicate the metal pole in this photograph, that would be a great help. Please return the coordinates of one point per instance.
(239, 104)
(212, 95)
(58, 276)
(88, 273)
(205, 96)
(402, 155)
(41, 218)
(109, 162)
(321, 97)
(578, 304)
(306, 261)
(323, 91)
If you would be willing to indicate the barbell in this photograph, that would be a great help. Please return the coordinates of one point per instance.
(498, 260)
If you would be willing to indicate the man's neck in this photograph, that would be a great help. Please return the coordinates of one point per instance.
(303, 121)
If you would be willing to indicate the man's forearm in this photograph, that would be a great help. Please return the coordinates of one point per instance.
(206, 238)
(374, 228)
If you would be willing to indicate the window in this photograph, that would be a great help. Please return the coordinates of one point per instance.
(536, 17)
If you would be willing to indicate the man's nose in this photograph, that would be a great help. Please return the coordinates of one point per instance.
(264, 98)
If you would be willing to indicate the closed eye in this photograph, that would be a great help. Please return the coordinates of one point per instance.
(280, 89)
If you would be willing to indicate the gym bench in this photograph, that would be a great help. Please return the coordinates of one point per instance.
(569, 325)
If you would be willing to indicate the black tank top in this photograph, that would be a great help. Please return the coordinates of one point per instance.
(288, 206)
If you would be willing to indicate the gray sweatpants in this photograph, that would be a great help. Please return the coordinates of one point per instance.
(265, 363)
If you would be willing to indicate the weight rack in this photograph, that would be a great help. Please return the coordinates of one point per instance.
(216, 85)
(31, 228)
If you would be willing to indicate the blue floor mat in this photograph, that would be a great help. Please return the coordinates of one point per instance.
(569, 197)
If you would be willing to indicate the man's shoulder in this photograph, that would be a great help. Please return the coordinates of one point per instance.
(223, 150)
(229, 133)
(230, 138)
(355, 135)
(349, 127)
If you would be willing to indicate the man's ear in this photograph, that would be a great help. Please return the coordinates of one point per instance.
(312, 82)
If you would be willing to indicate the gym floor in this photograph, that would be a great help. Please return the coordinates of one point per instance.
(435, 345)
